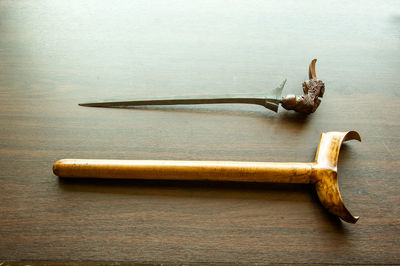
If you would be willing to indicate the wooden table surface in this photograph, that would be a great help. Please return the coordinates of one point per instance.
(56, 54)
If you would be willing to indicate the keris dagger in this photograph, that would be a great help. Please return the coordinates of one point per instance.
(306, 103)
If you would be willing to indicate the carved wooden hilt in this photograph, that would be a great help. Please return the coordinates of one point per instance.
(309, 101)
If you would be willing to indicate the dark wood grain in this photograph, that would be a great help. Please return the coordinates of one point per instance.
(55, 54)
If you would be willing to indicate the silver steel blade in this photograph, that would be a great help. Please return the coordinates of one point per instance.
(269, 100)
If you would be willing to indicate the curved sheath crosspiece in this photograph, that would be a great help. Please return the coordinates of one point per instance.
(324, 174)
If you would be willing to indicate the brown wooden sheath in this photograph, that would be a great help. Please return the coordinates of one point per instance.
(185, 170)
(322, 172)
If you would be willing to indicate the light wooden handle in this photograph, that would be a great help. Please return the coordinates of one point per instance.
(185, 170)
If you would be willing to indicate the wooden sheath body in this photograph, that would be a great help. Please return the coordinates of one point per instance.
(185, 170)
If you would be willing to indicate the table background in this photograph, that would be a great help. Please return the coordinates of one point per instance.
(56, 54)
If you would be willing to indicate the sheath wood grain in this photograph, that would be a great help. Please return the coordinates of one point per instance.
(185, 170)
(55, 54)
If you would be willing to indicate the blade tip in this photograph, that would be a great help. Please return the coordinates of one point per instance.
(85, 104)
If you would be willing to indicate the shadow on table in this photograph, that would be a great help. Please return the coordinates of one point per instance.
(256, 112)
(268, 192)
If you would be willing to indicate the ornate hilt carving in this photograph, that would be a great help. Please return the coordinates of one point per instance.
(309, 101)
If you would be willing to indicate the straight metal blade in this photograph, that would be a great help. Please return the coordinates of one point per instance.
(269, 100)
